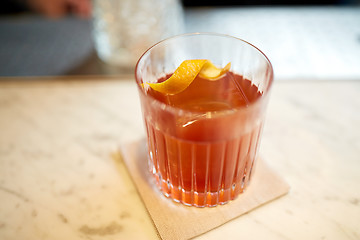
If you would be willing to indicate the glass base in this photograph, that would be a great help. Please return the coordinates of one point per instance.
(200, 199)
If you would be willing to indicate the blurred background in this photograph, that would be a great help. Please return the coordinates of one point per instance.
(303, 39)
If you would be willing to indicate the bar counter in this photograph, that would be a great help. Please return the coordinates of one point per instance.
(59, 180)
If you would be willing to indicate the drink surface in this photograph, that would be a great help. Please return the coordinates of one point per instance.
(205, 157)
(202, 95)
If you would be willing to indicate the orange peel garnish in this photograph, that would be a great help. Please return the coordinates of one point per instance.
(185, 74)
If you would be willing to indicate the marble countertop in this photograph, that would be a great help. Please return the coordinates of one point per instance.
(58, 179)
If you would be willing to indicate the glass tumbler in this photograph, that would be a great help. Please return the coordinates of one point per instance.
(205, 158)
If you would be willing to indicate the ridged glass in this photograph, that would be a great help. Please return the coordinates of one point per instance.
(215, 167)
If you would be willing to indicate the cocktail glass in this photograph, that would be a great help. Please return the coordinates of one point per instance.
(203, 143)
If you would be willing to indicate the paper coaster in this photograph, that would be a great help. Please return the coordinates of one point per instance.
(176, 221)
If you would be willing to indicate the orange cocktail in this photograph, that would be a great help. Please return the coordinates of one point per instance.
(203, 141)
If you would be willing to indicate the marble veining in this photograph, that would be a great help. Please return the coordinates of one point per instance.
(59, 179)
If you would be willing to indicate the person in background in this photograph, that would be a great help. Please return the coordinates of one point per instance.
(48, 8)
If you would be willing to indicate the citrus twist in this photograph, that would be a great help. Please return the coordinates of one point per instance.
(185, 74)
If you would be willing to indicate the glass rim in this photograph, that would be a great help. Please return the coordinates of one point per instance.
(235, 109)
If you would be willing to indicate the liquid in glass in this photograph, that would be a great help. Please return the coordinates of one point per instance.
(203, 149)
